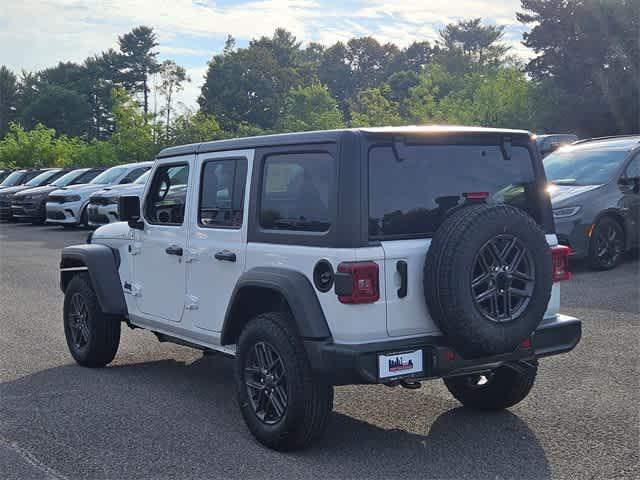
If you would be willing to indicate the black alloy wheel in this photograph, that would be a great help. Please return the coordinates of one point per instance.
(78, 322)
(266, 383)
(607, 244)
(503, 278)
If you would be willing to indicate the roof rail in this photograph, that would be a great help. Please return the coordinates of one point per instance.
(610, 137)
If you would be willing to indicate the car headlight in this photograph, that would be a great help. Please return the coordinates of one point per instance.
(112, 200)
(70, 198)
(564, 212)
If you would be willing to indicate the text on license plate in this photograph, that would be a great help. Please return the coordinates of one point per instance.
(396, 364)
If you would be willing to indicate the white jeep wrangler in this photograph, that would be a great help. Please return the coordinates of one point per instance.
(388, 255)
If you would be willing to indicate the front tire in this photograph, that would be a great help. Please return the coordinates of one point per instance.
(92, 336)
(503, 388)
(283, 405)
(606, 246)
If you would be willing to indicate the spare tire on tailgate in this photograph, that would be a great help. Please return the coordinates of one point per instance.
(487, 278)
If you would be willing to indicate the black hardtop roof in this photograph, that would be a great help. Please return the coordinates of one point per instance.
(327, 136)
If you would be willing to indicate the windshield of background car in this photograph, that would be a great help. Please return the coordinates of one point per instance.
(109, 176)
(412, 197)
(12, 179)
(42, 178)
(67, 178)
(142, 179)
(583, 167)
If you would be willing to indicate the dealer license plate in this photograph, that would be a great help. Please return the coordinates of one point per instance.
(400, 364)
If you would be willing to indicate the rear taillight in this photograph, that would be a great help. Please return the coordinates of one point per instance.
(560, 258)
(362, 285)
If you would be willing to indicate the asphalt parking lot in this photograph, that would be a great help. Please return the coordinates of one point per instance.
(164, 411)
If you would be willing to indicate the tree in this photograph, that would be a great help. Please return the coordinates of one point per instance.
(589, 49)
(417, 56)
(133, 136)
(310, 108)
(8, 98)
(62, 109)
(173, 76)
(372, 108)
(195, 128)
(250, 84)
(138, 61)
(335, 73)
(502, 99)
(480, 44)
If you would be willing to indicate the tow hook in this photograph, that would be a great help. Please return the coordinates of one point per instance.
(410, 385)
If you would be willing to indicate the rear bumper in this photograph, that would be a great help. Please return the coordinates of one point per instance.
(342, 364)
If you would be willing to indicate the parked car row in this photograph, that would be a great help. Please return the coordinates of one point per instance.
(594, 186)
(63, 196)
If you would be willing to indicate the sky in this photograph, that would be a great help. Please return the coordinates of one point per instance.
(36, 34)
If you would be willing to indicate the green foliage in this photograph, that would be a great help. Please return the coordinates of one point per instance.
(137, 61)
(173, 76)
(84, 114)
(62, 109)
(8, 98)
(591, 51)
(372, 108)
(133, 139)
(310, 108)
(39, 147)
(196, 128)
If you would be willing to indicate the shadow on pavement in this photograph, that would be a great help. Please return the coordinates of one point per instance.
(168, 419)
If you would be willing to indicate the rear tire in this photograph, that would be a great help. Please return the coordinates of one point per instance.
(504, 387)
(606, 245)
(285, 408)
(92, 336)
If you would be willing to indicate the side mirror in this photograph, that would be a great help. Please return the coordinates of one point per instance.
(129, 211)
(629, 184)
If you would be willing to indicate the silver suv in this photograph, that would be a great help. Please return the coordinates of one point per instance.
(390, 256)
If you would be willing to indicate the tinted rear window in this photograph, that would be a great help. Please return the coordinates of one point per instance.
(412, 197)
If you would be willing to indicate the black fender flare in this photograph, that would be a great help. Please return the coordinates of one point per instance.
(294, 287)
(101, 263)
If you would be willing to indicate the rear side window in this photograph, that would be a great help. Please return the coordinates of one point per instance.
(165, 203)
(222, 193)
(412, 197)
(296, 189)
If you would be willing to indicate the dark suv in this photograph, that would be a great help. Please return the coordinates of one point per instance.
(30, 204)
(595, 192)
(45, 177)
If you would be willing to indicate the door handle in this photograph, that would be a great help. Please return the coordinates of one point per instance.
(225, 255)
(174, 250)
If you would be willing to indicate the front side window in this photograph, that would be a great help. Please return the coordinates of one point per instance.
(296, 189)
(412, 196)
(165, 203)
(222, 193)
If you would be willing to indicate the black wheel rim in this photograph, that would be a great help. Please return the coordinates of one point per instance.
(608, 245)
(503, 278)
(78, 321)
(266, 384)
